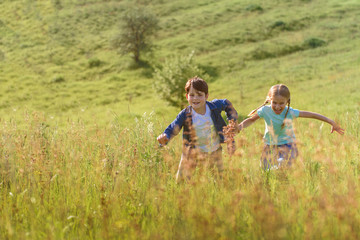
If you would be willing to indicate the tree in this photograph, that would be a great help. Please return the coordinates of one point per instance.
(171, 77)
(138, 25)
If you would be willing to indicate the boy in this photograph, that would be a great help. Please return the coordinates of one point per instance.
(203, 128)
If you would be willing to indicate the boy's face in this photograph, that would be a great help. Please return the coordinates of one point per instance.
(278, 103)
(197, 100)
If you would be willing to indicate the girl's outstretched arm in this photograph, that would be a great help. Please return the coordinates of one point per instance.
(334, 125)
(247, 122)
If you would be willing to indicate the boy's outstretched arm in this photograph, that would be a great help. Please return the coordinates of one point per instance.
(334, 125)
(247, 122)
(171, 131)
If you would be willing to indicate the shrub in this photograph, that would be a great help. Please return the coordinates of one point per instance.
(254, 8)
(313, 43)
(293, 25)
(279, 25)
(171, 77)
(94, 62)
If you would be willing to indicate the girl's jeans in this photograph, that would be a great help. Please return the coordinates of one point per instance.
(276, 156)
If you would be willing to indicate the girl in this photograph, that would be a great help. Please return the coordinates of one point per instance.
(280, 147)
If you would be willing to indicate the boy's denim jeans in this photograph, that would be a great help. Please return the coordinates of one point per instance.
(192, 158)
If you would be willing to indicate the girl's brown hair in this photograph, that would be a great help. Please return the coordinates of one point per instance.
(198, 84)
(276, 90)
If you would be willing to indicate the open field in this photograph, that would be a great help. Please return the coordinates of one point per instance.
(114, 183)
(79, 159)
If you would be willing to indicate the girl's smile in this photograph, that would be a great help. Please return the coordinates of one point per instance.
(278, 103)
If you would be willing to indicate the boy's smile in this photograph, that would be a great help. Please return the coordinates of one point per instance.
(197, 100)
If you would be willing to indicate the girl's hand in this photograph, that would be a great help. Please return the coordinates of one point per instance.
(162, 139)
(337, 128)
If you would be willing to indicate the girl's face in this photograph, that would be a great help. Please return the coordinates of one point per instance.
(197, 100)
(278, 103)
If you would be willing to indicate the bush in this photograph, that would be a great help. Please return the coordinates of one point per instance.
(94, 62)
(171, 77)
(254, 8)
(279, 25)
(313, 43)
(293, 25)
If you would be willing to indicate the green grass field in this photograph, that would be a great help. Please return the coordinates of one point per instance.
(79, 158)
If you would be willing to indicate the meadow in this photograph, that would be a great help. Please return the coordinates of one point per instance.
(79, 158)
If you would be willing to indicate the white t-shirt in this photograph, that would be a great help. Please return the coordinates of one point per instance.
(208, 140)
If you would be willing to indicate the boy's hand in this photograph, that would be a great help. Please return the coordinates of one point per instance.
(337, 128)
(162, 139)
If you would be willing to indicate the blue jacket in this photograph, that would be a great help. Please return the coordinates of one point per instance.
(184, 119)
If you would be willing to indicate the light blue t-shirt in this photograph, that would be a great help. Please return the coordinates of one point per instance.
(274, 134)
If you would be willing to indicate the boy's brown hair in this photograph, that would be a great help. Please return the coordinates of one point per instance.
(198, 84)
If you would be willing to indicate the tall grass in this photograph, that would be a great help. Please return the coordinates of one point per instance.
(82, 181)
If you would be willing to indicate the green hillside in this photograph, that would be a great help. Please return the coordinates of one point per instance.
(47, 47)
(78, 121)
